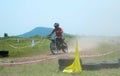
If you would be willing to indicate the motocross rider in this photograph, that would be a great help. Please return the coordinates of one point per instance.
(58, 32)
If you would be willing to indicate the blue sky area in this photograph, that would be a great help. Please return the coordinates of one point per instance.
(82, 17)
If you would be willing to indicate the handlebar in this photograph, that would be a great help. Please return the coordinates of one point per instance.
(49, 37)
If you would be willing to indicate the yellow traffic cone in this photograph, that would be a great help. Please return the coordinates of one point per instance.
(75, 67)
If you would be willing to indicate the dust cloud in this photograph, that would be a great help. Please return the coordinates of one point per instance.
(87, 43)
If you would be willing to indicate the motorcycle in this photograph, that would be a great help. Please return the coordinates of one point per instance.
(56, 45)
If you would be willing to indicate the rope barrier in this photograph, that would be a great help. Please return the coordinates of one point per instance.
(98, 55)
(36, 43)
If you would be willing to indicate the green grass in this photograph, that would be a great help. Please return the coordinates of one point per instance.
(24, 48)
(51, 69)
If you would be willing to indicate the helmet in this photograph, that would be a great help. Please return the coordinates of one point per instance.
(56, 25)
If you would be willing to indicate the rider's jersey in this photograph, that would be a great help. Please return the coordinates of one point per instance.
(58, 32)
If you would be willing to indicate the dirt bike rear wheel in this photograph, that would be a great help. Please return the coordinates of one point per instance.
(65, 47)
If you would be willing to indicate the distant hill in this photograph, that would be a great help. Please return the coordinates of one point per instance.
(41, 31)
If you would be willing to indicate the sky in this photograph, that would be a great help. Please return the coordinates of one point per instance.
(79, 17)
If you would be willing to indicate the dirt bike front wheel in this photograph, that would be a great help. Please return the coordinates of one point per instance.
(53, 48)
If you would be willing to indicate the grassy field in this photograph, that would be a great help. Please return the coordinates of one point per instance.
(24, 47)
(50, 68)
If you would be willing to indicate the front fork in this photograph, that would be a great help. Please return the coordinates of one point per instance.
(56, 46)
